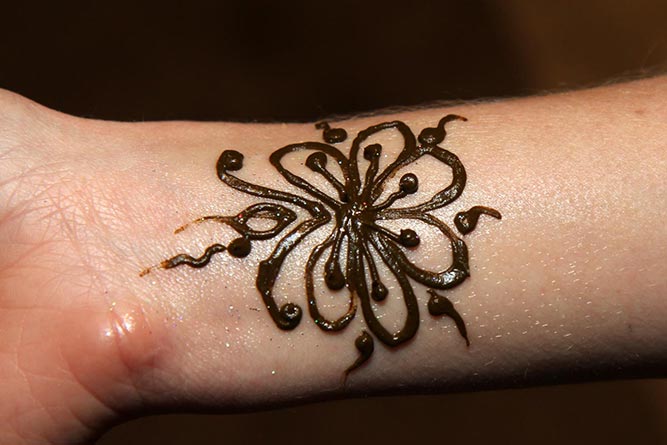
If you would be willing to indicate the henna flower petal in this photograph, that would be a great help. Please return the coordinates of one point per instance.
(372, 187)
(411, 323)
(317, 162)
(428, 138)
(458, 270)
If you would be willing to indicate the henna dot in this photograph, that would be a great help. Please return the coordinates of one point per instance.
(240, 247)
(316, 161)
(409, 183)
(461, 222)
(409, 238)
(364, 344)
(335, 135)
(439, 305)
(334, 278)
(378, 291)
(431, 136)
(372, 151)
(230, 160)
(291, 313)
(331, 135)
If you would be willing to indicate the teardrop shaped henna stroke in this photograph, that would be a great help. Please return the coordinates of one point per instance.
(365, 345)
(355, 215)
(440, 305)
(466, 222)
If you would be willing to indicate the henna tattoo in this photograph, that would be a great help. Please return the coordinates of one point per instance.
(348, 251)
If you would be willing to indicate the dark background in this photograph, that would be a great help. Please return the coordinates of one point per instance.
(272, 60)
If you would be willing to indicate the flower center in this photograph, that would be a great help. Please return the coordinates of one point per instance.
(359, 215)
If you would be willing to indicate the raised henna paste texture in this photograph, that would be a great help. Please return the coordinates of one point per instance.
(356, 242)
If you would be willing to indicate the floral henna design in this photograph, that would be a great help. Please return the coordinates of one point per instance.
(348, 250)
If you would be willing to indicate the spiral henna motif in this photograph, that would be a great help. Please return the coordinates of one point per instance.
(355, 210)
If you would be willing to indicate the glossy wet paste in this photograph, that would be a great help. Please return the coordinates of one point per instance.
(355, 210)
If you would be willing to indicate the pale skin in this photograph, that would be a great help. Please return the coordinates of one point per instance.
(570, 285)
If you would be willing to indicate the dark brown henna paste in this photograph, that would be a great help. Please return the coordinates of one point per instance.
(440, 305)
(355, 212)
(365, 345)
(467, 221)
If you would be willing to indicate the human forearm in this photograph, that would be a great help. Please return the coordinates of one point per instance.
(569, 285)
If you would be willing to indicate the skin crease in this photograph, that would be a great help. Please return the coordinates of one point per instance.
(569, 285)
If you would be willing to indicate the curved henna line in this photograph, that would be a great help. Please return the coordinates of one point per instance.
(188, 260)
(281, 215)
(371, 171)
(314, 208)
(301, 183)
(390, 200)
(275, 212)
(466, 222)
(331, 135)
(409, 146)
(388, 233)
(202, 219)
(321, 321)
(456, 273)
(334, 258)
(411, 324)
(433, 136)
(365, 345)
(375, 276)
(441, 305)
(289, 314)
(340, 188)
(270, 267)
(406, 157)
(450, 193)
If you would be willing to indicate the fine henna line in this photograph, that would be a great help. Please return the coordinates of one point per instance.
(441, 305)
(365, 345)
(355, 213)
(188, 260)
